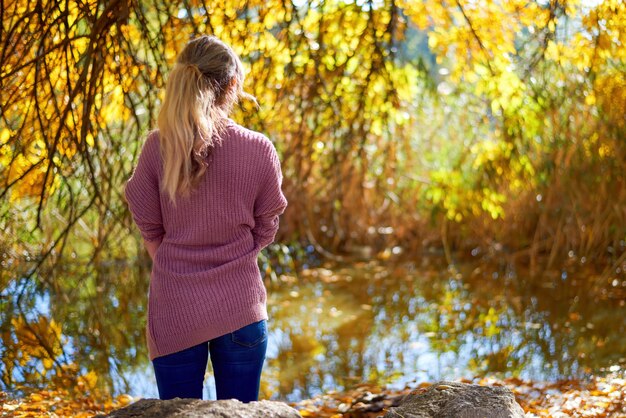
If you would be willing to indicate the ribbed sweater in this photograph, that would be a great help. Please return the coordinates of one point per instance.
(205, 280)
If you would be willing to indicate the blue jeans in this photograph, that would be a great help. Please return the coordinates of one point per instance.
(237, 360)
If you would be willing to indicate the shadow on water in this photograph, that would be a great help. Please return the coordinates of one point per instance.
(333, 326)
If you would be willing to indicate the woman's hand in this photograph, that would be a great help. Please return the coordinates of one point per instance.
(152, 247)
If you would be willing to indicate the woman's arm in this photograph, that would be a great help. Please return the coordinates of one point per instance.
(143, 195)
(270, 201)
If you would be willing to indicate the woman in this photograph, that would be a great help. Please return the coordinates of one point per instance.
(206, 197)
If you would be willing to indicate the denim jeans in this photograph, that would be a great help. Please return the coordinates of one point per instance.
(237, 360)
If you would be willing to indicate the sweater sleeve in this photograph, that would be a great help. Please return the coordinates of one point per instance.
(142, 192)
(270, 201)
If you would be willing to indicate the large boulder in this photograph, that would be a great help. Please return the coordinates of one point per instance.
(206, 409)
(459, 400)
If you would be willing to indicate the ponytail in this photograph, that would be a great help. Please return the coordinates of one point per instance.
(188, 122)
(202, 88)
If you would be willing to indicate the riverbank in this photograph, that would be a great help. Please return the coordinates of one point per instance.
(599, 397)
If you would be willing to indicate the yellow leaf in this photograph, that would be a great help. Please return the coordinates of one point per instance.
(5, 135)
(10, 407)
(36, 397)
(47, 363)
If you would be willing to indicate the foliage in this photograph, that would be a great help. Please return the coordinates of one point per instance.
(350, 91)
(58, 403)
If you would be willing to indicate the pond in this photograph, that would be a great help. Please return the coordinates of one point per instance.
(337, 325)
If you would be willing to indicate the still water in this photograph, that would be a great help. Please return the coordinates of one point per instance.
(394, 324)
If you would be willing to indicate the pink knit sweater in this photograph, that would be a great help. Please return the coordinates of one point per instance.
(205, 280)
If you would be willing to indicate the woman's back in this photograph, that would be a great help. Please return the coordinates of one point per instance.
(205, 269)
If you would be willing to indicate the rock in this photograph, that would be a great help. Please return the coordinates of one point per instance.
(206, 409)
(459, 400)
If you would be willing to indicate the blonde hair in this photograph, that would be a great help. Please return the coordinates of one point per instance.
(205, 83)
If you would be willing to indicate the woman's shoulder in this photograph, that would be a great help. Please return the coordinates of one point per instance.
(247, 136)
(149, 146)
(151, 141)
(152, 138)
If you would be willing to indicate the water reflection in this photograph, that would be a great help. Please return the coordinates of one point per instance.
(396, 324)
(335, 326)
